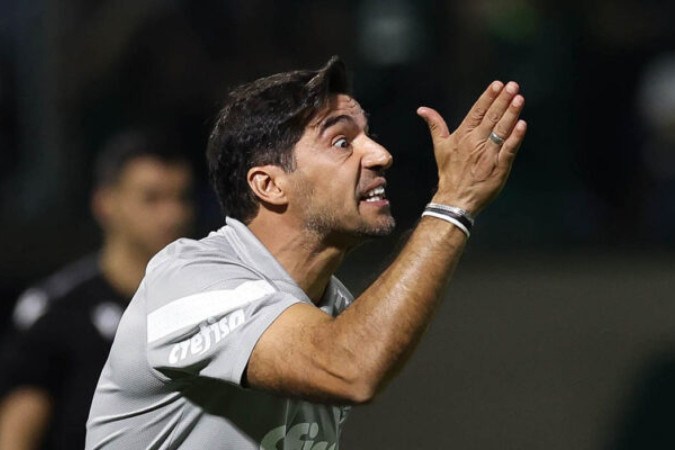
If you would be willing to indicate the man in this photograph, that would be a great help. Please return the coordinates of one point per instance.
(65, 325)
(244, 339)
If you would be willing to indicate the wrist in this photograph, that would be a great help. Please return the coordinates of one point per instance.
(455, 215)
(470, 207)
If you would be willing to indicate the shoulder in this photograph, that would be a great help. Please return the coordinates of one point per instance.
(187, 267)
(50, 293)
(196, 261)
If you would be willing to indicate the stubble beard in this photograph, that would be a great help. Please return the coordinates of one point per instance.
(323, 222)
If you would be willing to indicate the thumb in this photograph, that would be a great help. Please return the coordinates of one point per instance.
(437, 126)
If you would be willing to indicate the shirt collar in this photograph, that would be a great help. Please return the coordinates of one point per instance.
(256, 255)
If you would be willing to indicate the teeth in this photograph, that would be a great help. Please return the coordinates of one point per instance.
(375, 195)
(378, 191)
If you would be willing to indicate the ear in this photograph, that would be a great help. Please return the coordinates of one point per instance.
(267, 184)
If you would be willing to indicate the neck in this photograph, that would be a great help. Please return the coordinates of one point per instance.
(123, 266)
(307, 258)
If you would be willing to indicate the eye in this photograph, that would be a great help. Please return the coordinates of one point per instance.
(341, 143)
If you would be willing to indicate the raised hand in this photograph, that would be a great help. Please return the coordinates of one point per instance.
(475, 160)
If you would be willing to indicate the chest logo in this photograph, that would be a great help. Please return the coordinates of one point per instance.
(300, 436)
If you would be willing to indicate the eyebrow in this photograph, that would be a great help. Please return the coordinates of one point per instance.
(330, 121)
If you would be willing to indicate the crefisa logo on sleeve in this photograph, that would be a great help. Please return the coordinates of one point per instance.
(209, 335)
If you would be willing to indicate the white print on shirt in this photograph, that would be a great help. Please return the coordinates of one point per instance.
(193, 309)
(300, 436)
(209, 334)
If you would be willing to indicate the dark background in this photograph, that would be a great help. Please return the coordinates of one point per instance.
(559, 329)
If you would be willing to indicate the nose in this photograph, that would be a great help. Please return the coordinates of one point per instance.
(376, 156)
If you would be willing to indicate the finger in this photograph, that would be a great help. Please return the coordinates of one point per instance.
(478, 110)
(505, 125)
(498, 107)
(511, 146)
(437, 126)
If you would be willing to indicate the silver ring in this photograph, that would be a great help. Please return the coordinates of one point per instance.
(497, 139)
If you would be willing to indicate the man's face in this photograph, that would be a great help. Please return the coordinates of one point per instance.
(149, 206)
(338, 186)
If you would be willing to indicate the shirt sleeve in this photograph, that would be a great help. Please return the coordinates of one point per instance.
(210, 332)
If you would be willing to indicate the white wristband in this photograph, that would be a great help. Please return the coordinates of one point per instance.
(447, 218)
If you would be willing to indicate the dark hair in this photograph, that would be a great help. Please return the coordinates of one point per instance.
(128, 145)
(260, 124)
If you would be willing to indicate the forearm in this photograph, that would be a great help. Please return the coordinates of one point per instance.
(380, 330)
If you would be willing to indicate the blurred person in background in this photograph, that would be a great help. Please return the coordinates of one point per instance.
(62, 328)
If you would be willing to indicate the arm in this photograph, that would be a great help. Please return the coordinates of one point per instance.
(24, 416)
(350, 358)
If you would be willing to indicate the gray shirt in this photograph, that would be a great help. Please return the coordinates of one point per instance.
(173, 376)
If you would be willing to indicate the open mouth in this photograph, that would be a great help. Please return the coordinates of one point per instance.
(375, 195)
